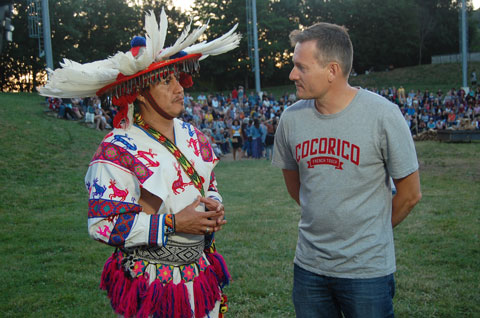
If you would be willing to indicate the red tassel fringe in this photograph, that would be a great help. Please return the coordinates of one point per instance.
(220, 268)
(134, 298)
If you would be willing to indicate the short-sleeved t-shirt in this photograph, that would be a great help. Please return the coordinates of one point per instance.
(345, 161)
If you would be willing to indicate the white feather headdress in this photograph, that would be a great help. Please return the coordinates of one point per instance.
(101, 77)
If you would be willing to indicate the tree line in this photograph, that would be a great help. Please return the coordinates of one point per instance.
(385, 34)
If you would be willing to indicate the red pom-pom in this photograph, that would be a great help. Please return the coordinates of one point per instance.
(186, 80)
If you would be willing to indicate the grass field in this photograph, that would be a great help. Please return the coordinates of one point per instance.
(51, 268)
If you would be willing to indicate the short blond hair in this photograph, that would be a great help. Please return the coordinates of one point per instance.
(332, 41)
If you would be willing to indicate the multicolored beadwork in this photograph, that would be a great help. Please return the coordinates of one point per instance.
(186, 165)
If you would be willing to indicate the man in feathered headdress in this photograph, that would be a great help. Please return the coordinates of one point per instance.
(152, 190)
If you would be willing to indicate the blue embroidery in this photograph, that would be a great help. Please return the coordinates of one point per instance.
(99, 190)
(123, 139)
(189, 127)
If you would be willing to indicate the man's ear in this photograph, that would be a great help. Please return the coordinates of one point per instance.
(334, 71)
(141, 99)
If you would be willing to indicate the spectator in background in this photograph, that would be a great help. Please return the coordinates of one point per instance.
(451, 121)
(66, 110)
(54, 103)
(197, 113)
(440, 124)
(216, 148)
(256, 134)
(219, 139)
(228, 139)
(252, 99)
(271, 125)
(241, 95)
(101, 119)
(209, 118)
(237, 140)
(476, 110)
(292, 98)
(76, 108)
(202, 99)
(215, 103)
(235, 95)
(187, 100)
(247, 138)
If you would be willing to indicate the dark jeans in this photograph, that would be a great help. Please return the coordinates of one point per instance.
(317, 296)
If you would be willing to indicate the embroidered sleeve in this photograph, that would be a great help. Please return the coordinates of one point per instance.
(113, 181)
(212, 189)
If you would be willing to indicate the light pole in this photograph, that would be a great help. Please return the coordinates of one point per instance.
(252, 34)
(464, 45)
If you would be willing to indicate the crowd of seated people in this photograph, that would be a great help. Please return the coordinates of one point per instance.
(436, 110)
(87, 110)
(238, 123)
(245, 124)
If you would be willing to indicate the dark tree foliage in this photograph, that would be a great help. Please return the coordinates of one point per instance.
(274, 21)
(82, 31)
(19, 60)
(388, 33)
(384, 33)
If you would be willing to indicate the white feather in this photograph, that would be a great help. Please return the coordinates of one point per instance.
(229, 41)
(152, 36)
(178, 44)
(192, 38)
(163, 26)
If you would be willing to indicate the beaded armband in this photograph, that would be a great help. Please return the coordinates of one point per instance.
(169, 224)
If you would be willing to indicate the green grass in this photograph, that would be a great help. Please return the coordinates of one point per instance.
(422, 77)
(51, 268)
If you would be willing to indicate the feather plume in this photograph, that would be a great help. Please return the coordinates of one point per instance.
(223, 44)
(192, 38)
(151, 28)
(177, 47)
(163, 26)
(73, 79)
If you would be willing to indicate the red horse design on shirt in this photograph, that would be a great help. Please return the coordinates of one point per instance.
(105, 232)
(179, 184)
(192, 143)
(122, 194)
(145, 154)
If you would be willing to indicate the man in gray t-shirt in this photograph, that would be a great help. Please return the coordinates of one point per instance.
(338, 147)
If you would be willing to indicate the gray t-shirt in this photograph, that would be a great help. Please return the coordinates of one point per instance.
(345, 161)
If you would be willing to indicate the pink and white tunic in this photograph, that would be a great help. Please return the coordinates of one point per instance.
(155, 272)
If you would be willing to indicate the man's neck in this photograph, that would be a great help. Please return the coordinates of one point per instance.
(336, 100)
(160, 124)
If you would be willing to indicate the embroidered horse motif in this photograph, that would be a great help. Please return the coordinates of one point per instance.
(123, 139)
(105, 232)
(99, 190)
(179, 184)
(122, 194)
(192, 143)
(189, 127)
(144, 155)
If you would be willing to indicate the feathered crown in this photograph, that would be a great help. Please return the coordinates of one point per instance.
(125, 74)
